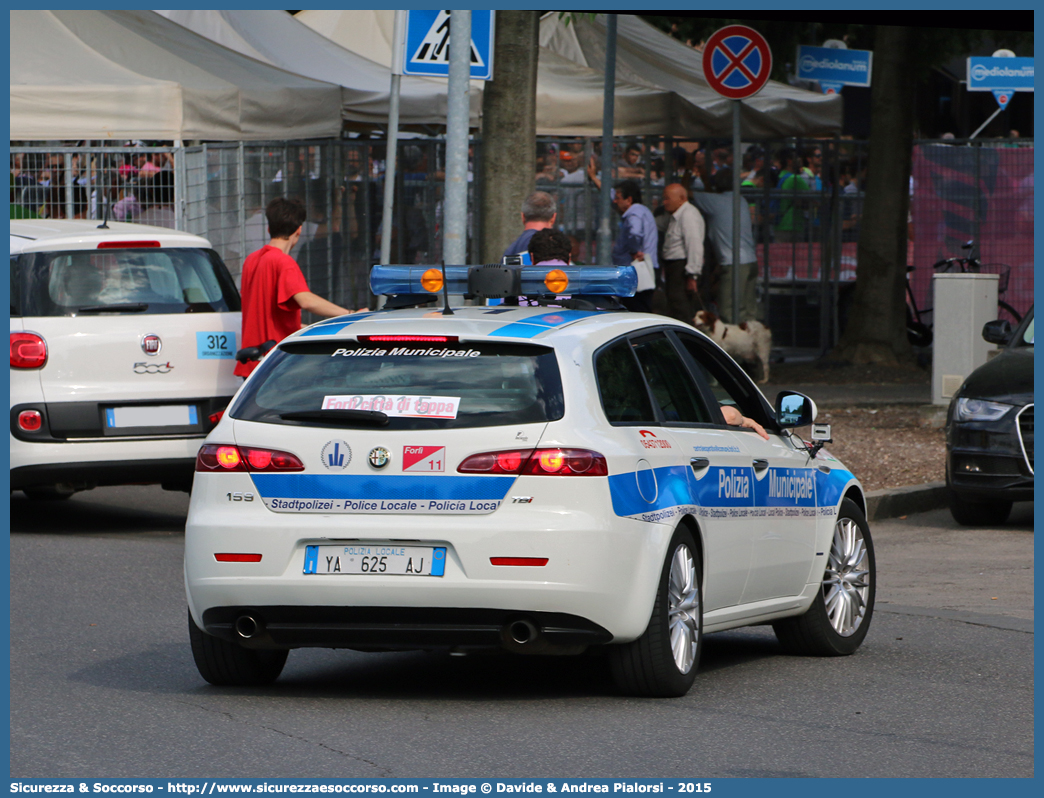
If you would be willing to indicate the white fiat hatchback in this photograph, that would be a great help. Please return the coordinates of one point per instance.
(123, 341)
(543, 479)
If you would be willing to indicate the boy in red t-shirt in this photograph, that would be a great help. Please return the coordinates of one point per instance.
(274, 291)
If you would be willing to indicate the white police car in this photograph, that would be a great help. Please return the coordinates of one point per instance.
(542, 479)
(123, 341)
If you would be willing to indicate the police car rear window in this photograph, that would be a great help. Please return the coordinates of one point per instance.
(465, 384)
(142, 281)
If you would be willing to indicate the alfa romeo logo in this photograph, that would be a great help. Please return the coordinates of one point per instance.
(379, 457)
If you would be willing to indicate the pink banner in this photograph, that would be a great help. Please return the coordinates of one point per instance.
(954, 187)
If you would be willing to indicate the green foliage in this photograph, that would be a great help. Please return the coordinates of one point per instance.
(572, 17)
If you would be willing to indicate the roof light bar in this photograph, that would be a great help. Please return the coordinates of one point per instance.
(535, 280)
(127, 244)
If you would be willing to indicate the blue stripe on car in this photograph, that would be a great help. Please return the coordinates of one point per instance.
(724, 487)
(534, 325)
(830, 487)
(389, 488)
(334, 325)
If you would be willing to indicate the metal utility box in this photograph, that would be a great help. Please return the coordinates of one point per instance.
(963, 304)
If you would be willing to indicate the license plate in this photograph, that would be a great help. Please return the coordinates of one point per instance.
(151, 416)
(381, 559)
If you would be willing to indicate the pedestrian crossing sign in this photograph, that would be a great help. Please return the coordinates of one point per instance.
(426, 49)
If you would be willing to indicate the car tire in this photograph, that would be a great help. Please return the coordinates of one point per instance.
(225, 664)
(49, 493)
(662, 662)
(837, 622)
(985, 513)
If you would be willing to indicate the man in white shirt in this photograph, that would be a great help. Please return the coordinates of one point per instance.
(682, 253)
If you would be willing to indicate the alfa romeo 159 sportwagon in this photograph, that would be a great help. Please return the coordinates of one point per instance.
(549, 478)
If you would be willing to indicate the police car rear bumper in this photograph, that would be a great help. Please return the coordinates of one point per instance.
(401, 628)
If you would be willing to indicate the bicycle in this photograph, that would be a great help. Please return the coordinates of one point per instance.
(972, 265)
(918, 331)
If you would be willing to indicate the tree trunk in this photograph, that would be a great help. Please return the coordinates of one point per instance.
(508, 173)
(876, 330)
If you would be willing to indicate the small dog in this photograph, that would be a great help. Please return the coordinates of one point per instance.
(750, 341)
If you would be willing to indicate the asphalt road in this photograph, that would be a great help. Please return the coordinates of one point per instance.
(103, 683)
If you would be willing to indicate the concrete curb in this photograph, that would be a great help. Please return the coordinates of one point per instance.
(893, 502)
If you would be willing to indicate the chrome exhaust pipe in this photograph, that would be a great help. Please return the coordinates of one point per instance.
(247, 627)
(522, 632)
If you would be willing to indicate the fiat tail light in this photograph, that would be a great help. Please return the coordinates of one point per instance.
(28, 351)
(226, 457)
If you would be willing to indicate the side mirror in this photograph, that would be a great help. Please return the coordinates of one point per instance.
(795, 409)
(997, 332)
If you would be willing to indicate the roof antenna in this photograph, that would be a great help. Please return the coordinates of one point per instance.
(105, 221)
(445, 292)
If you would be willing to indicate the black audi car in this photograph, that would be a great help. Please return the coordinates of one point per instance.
(989, 430)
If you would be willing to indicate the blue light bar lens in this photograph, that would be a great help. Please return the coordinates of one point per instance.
(398, 280)
(583, 280)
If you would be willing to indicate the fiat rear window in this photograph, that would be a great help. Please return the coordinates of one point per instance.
(465, 384)
(140, 281)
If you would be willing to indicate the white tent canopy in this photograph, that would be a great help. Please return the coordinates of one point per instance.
(278, 39)
(647, 56)
(569, 95)
(78, 74)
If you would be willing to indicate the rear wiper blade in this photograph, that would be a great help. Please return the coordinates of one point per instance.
(374, 417)
(129, 307)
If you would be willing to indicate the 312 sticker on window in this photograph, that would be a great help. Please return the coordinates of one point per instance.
(397, 405)
(219, 345)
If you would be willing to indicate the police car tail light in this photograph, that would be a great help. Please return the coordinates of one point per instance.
(225, 457)
(28, 351)
(236, 557)
(538, 462)
(507, 462)
(428, 339)
(566, 463)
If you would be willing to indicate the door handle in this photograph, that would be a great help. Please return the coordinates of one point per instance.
(699, 462)
(760, 464)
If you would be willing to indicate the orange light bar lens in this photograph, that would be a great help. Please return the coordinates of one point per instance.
(431, 280)
(556, 281)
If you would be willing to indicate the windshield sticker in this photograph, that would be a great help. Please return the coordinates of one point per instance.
(406, 351)
(397, 406)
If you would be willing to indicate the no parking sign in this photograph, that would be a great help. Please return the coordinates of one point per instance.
(737, 61)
